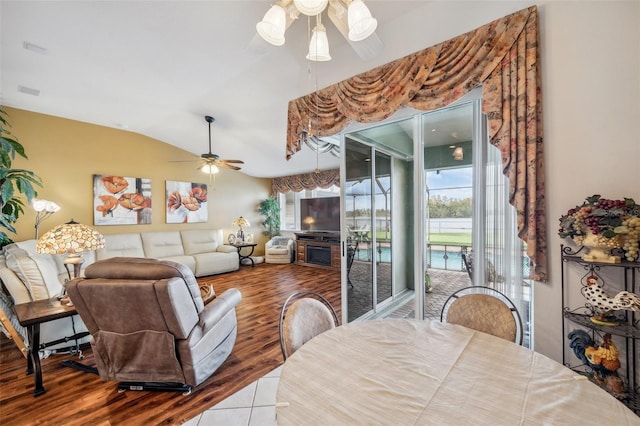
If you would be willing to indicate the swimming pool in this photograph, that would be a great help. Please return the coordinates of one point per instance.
(437, 259)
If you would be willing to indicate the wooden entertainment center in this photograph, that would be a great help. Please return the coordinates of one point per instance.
(320, 249)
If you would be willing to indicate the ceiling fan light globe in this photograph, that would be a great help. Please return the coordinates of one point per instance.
(310, 7)
(361, 23)
(273, 26)
(319, 45)
(210, 169)
(458, 153)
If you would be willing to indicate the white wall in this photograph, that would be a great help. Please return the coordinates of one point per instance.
(591, 91)
(590, 56)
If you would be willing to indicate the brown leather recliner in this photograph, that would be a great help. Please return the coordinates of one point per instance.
(150, 328)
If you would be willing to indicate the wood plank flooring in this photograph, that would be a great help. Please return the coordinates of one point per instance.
(77, 398)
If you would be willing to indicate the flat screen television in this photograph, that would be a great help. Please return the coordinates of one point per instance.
(320, 214)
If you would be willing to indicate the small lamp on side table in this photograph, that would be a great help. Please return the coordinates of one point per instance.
(240, 222)
(70, 238)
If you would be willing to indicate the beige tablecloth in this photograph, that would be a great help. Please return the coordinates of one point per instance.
(404, 372)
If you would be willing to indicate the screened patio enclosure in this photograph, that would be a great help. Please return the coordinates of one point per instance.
(397, 235)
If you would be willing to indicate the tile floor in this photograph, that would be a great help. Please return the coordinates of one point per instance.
(255, 405)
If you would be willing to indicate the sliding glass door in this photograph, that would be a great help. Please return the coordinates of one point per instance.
(358, 201)
(377, 208)
(409, 219)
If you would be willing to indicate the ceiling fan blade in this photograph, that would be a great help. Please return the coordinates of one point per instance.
(234, 161)
(227, 166)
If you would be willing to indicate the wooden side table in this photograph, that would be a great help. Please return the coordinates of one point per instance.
(31, 315)
(241, 256)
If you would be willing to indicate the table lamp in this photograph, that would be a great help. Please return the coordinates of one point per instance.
(240, 222)
(70, 238)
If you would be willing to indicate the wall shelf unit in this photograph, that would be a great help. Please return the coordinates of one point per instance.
(579, 314)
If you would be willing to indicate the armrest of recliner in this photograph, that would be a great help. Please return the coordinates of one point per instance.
(220, 306)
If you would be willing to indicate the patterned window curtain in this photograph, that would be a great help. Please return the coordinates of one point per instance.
(323, 179)
(503, 58)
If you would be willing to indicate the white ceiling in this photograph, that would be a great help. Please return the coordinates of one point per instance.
(158, 67)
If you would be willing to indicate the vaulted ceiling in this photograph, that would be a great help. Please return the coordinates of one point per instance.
(158, 67)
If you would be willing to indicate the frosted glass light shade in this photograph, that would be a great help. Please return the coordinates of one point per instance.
(310, 7)
(210, 169)
(273, 26)
(41, 205)
(361, 24)
(458, 153)
(319, 45)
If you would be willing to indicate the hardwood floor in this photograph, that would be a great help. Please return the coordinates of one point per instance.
(77, 398)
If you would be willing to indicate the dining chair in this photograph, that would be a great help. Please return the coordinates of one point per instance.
(492, 275)
(484, 309)
(304, 315)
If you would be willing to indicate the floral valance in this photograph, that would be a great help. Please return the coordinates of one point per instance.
(322, 179)
(502, 57)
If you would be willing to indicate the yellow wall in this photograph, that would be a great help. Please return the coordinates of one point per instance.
(67, 153)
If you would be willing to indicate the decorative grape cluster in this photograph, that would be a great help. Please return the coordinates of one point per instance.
(615, 223)
(631, 237)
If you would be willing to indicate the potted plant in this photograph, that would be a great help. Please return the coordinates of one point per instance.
(270, 209)
(602, 224)
(14, 183)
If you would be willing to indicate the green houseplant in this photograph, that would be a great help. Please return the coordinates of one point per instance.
(14, 183)
(270, 209)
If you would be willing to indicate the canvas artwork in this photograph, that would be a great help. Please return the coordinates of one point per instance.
(121, 200)
(186, 202)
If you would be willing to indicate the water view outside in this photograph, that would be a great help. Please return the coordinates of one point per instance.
(452, 261)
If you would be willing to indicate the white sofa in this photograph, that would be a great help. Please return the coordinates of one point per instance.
(27, 275)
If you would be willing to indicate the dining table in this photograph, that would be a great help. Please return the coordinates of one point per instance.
(409, 372)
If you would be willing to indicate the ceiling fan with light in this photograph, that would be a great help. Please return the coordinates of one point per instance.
(212, 162)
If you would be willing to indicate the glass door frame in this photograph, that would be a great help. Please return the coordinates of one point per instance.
(402, 115)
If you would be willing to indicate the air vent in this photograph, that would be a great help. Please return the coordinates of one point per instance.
(34, 48)
(29, 90)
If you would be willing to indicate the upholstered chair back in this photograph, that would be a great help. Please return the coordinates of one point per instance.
(149, 323)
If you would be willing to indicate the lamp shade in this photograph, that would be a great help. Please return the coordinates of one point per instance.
(70, 237)
(310, 7)
(210, 169)
(458, 153)
(41, 205)
(361, 24)
(319, 45)
(240, 222)
(273, 25)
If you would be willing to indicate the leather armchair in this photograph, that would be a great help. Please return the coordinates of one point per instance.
(279, 250)
(149, 324)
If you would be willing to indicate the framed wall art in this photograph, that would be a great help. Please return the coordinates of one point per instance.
(121, 200)
(186, 202)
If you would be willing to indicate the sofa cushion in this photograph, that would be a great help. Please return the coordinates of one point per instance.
(280, 241)
(162, 245)
(215, 263)
(198, 241)
(121, 245)
(278, 250)
(187, 261)
(38, 272)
